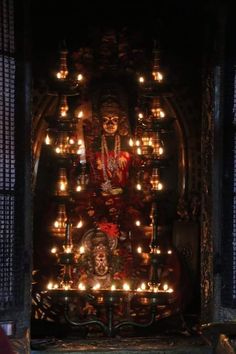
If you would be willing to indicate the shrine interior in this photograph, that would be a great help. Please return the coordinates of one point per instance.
(123, 223)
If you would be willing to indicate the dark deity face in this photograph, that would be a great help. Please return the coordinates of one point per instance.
(110, 123)
(110, 114)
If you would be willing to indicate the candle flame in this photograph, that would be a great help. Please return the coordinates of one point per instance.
(80, 77)
(143, 286)
(126, 287)
(50, 286)
(141, 79)
(81, 286)
(78, 188)
(81, 250)
(138, 187)
(79, 225)
(165, 287)
(47, 140)
(96, 286)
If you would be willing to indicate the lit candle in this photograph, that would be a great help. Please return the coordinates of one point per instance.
(96, 286)
(80, 77)
(165, 287)
(47, 140)
(80, 224)
(126, 287)
(139, 151)
(141, 79)
(78, 188)
(81, 286)
(50, 286)
(81, 250)
(68, 249)
(62, 186)
(138, 187)
(56, 224)
(131, 143)
(140, 115)
(162, 113)
(143, 286)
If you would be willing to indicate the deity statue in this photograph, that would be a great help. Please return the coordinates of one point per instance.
(98, 248)
(111, 162)
(107, 195)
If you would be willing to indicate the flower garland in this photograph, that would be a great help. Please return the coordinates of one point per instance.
(109, 163)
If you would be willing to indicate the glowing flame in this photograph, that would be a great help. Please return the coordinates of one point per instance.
(79, 225)
(126, 287)
(80, 77)
(143, 286)
(141, 79)
(78, 188)
(80, 114)
(50, 286)
(96, 286)
(138, 187)
(165, 287)
(62, 186)
(47, 140)
(81, 286)
(81, 250)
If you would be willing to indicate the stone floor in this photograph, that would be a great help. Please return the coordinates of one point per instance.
(147, 345)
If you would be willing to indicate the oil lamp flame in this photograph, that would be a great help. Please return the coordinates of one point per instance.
(96, 286)
(47, 140)
(165, 287)
(81, 286)
(81, 250)
(50, 286)
(126, 286)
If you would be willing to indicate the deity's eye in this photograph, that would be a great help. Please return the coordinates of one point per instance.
(113, 120)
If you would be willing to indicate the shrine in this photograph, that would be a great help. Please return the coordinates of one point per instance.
(117, 182)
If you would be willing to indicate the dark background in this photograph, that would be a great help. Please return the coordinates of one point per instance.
(178, 25)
